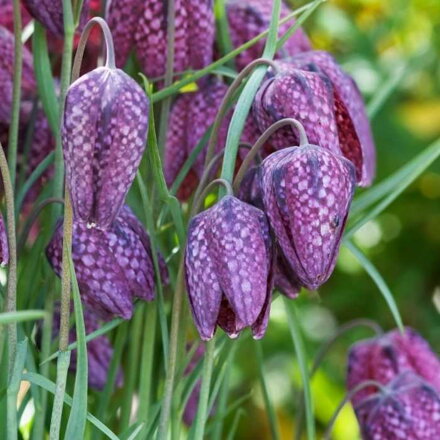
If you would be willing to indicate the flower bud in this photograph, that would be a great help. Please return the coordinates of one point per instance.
(104, 135)
(248, 18)
(112, 265)
(307, 192)
(228, 262)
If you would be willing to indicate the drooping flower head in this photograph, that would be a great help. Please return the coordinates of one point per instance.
(104, 135)
(408, 408)
(248, 18)
(228, 262)
(307, 191)
(112, 265)
(50, 14)
(142, 26)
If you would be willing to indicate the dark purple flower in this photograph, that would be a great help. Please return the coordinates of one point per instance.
(4, 246)
(191, 115)
(99, 350)
(28, 86)
(384, 357)
(409, 408)
(248, 18)
(50, 14)
(142, 26)
(104, 135)
(228, 262)
(307, 192)
(112, 265)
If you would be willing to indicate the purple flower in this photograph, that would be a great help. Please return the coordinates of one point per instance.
(50, 14)
(409, 408)
(4, 246)
(99, 350)
(104, 135)
(228, 262)
(191, 115)
(142, 26)
(112, 265)
(28, 87)
(307, 192)
(385, 357)
(248, 18)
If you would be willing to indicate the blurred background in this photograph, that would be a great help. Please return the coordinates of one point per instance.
(392, 49)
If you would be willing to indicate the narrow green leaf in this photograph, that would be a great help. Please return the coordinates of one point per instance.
(292, 321)
(22, 315)
(378, 280)
(78, 414)
(48, 385)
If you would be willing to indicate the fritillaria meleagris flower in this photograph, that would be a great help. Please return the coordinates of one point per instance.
(112, 265)
(307, 191)
(142, 26)
(28, 87)
(248, 18)
(228, 262)
(312, 88)
(384, 357)
(408, 408)
(99, 350)
(191, 115)
(50, 14)
(104, 135)
(4, 246)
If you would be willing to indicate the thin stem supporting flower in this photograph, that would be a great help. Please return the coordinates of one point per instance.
(226, 102)
(296, 125)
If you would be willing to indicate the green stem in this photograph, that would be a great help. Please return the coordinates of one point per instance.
(248, 160)
(199, 201)
(273, 423)
(11, 293)
(202, 411)
(16, 92)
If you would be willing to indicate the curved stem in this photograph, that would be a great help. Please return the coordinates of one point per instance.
(303, 140)
(109, 46)
(11, 293)
(16, 92)
(347, 398)
(363, 322)
(32, 218)
(224, 107)
(198, 202)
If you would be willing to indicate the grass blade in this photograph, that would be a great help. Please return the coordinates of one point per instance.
(22, 315)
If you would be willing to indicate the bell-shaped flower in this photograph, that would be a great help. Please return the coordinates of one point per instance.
(142, 26)
(228, 261)
(407, 408)
(112, 265)
(307, 191)
(104, 135)
(248, 18)
(385, 357)
(28, 86)
(50, 14)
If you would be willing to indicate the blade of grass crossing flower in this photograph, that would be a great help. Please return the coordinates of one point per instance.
(378, 280)
(13, 387)
(270, 411)
(43, 74)
(50, 386)
(292, 321)
(78, 414)
(401, 178)
(20, 316)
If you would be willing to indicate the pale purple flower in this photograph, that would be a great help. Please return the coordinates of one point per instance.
(112, 265)
(104, 135)
(228, 261)
(142, 26)
(248, 18)
(4, 246)
(307, 192)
